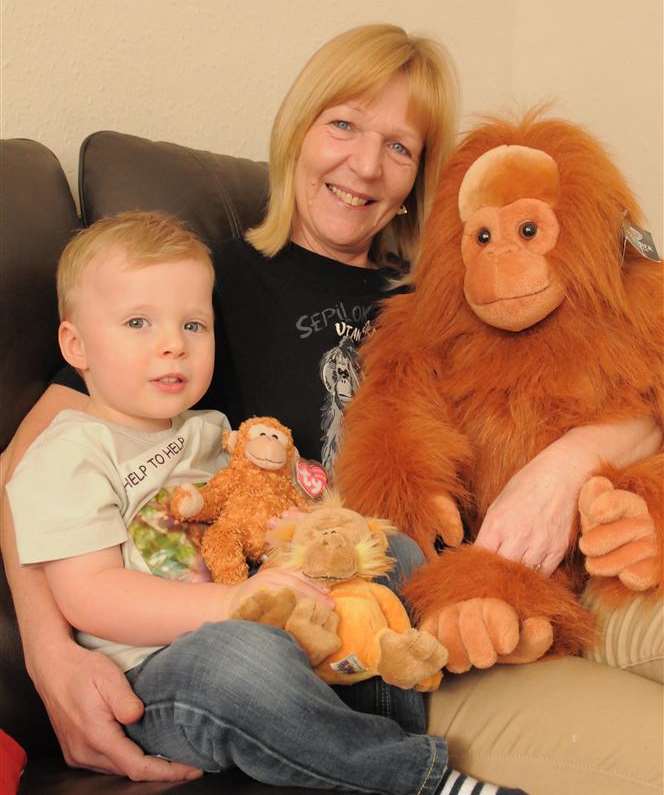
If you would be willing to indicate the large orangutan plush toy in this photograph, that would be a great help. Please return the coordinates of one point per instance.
(529, 316)
(369, 632)
(239, 500)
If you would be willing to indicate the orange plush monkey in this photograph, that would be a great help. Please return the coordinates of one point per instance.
(529, 316)
(240, 500)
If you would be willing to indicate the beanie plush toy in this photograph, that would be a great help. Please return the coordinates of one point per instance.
(368, 633)
(240, 499)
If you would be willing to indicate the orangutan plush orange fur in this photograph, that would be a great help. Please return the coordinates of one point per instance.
(239, 500)
(453, 406)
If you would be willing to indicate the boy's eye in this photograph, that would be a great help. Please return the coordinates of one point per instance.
(194, 325)
(136, 322)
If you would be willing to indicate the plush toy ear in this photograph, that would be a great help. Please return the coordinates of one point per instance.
(381, 528)
(229, 440)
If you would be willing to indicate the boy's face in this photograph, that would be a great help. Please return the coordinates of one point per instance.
(143, 338)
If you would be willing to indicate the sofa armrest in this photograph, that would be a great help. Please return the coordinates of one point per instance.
(37, 218)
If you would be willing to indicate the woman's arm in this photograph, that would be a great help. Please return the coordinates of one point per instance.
(84, 692)
(531, 519)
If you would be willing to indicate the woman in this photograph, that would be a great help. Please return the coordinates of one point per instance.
(355, 153)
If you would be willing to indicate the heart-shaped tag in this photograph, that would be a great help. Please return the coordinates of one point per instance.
(311, 477)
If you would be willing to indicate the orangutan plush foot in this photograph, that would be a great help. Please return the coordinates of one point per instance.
(481, 632)
(618, 535)
(412, 658)
(268, 607)
(314, 627)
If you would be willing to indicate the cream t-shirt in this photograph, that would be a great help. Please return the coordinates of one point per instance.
(83, 479)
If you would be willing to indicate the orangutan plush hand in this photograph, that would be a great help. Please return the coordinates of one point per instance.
(239, 500)
(618, 535)
(375, 638)
(482, 632)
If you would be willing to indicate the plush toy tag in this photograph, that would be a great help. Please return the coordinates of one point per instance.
(349, 665)
(311, 477)
(641, 239)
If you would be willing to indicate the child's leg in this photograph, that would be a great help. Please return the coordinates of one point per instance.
(243, 694)
(408, 557)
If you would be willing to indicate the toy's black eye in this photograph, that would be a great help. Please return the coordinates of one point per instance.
(483, 236)
(528, 230)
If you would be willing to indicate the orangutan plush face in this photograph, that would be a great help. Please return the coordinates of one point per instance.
(509, 282)
(332, 544)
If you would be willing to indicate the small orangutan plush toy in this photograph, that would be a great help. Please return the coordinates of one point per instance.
(239, 500)
(529, 316)
(369, 632)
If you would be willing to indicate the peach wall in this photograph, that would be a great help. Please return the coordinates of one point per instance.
(210, 73)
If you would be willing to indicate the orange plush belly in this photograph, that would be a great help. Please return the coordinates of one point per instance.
(361, 620)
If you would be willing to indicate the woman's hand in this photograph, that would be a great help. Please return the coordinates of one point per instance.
(531, 519)
(87, 698)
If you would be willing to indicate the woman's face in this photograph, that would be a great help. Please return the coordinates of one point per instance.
(357, 165)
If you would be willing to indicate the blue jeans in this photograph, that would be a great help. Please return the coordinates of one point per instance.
(242, 694)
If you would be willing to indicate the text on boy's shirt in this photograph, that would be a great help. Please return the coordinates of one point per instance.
(152, 463)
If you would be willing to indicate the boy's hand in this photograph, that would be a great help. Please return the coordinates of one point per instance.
(87, 698)
(275, 578)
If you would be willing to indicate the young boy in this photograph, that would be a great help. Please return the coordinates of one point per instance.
(135, 301)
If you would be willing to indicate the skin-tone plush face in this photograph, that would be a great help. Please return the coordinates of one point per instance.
(357, 165)
(265, 444)
(142, 337)
(507, 201)
(509, 281)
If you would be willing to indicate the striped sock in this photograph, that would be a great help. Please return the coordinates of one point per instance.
(455, 783)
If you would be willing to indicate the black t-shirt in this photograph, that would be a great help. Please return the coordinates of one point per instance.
(287, 331)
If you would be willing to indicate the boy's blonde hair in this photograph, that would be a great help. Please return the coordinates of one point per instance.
(359, 63)
(145, 237)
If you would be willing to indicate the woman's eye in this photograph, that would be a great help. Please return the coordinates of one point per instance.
(194, 325)
(341, 124)
(400, 149)
(483, 237)
(136, 322)
(528, 230)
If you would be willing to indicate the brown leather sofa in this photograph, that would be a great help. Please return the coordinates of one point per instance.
(218, 196)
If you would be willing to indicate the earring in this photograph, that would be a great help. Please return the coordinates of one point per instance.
(403, 210)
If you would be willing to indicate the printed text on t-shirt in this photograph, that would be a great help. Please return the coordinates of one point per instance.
(309, 324)
(156, 460)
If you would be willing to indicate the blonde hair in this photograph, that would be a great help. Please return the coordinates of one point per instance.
(145, 237)
(355, 64)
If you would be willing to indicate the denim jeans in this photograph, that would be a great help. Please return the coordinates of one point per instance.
(242, 694)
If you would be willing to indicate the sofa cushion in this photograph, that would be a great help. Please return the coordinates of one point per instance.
(216, 195)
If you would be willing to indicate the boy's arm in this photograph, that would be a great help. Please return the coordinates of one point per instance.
(148, 610)
(84, 692)
(97, 595)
